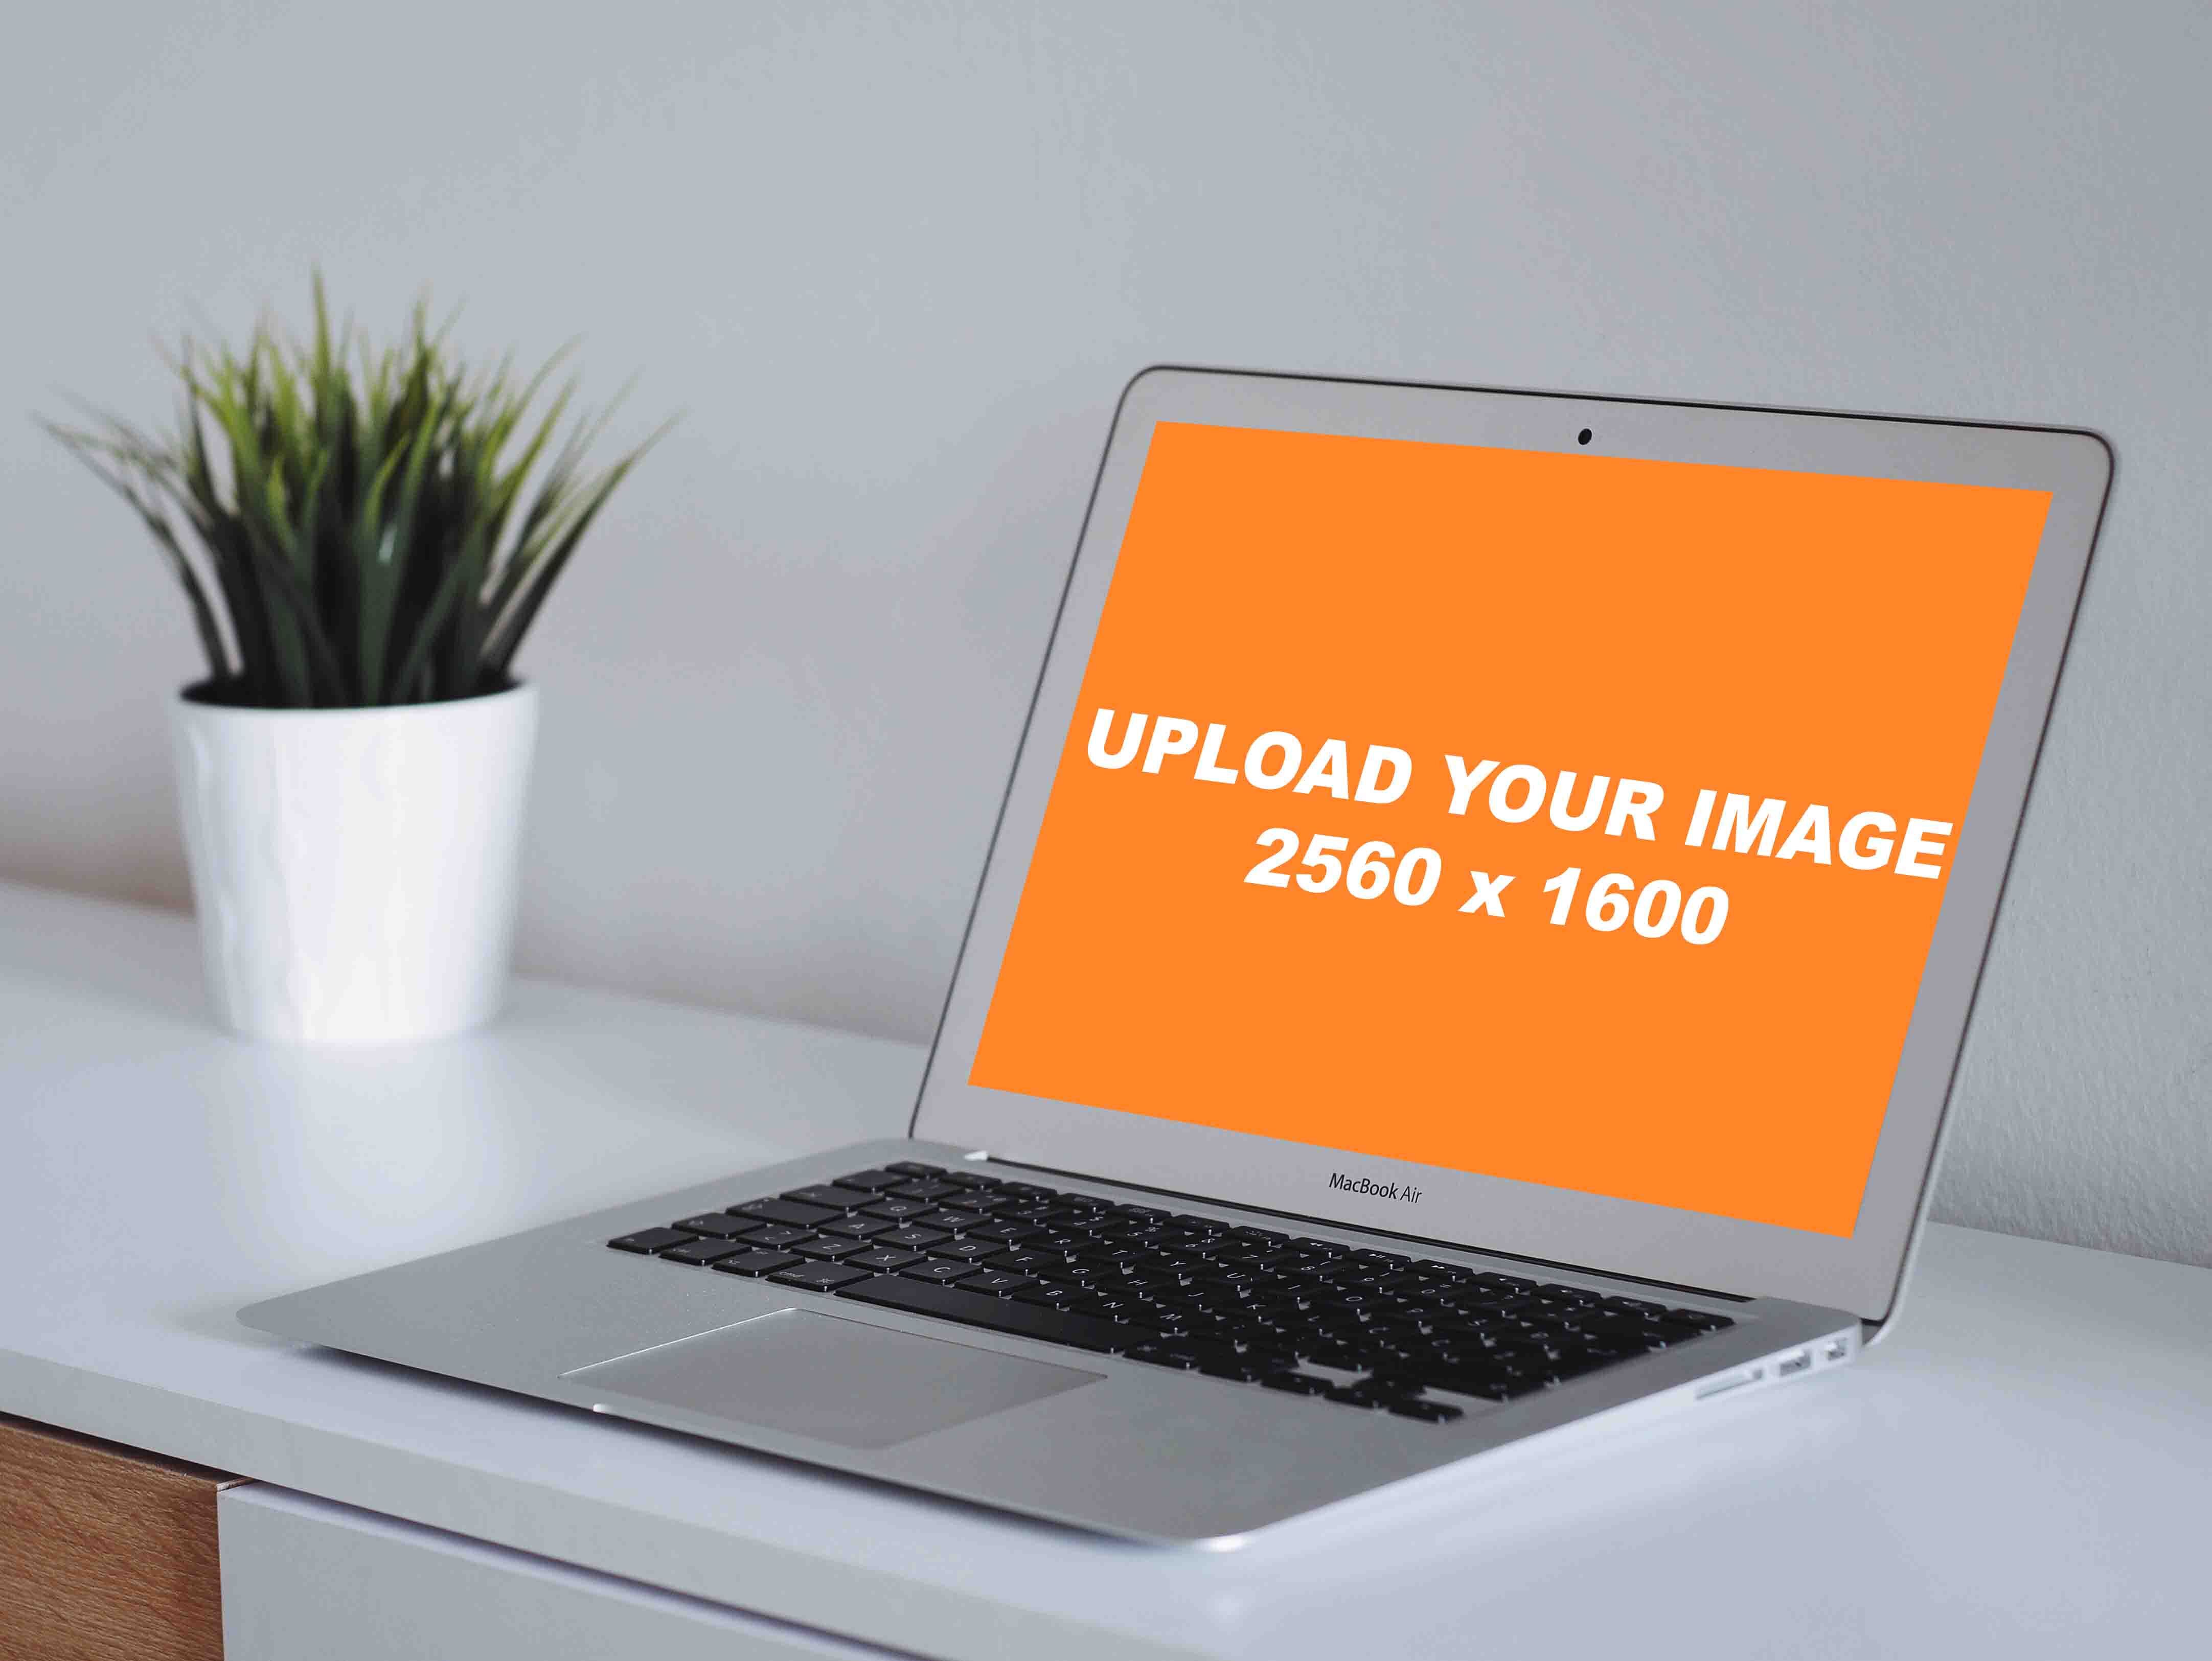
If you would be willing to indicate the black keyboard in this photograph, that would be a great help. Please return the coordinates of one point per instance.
(1374, 1330)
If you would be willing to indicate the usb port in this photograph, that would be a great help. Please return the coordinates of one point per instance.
(1797, 1363)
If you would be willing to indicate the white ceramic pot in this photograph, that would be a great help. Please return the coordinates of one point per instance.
(355, 869)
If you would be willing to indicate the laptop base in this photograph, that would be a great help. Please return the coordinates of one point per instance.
(1087, 1438)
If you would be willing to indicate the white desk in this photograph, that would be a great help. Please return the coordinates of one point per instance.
(2023, 1466)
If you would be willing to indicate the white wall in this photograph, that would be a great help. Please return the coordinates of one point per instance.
(896, 262)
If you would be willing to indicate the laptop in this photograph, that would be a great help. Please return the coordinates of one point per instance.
(1475, 948)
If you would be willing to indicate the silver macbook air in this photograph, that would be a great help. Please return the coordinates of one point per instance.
(1476, 944)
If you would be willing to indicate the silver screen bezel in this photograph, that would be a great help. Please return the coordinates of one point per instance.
(1861, 1273)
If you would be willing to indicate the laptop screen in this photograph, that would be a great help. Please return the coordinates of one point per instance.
(1568, 819)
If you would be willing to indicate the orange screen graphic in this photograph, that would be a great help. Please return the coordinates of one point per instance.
(1785, 641)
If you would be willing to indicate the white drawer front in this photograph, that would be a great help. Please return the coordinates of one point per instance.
(304, 1580)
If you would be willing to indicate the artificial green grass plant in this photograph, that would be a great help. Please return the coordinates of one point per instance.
(362, 532)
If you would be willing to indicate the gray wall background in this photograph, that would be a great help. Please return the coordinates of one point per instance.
(896, 263)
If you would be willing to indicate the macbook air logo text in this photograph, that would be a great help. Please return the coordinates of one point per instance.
(1389, 1190)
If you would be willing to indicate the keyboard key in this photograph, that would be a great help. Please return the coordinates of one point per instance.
(951, 1221)
(1012, 1234)
(778, 1237)
(1571, 1297)
(1111, 1305)
(871, 1182)
(1350, 1300)
(703, 1252)
(1193, 1353)
(966, 1251)
(1239, 1254)
(1349, 1276)
(1573, 1363)
(830, 1195)
(1297, 1384)
(883, 1261)
(820, 1276)
(651, 1239)
(756, 1264)
(791, 1212)
(914, 1167)
(1019, 1261)
(1008, 1315)
(1507, 1283)
(718, 1224)
(940, 1271)
(1462, 1332)
(857, 1227)
(1395, 1327)
(1435, 1413)
(898, 1210)
(1370, 1393)
(1324, 1351)
(1230, 1275)
(972, 1180)
(911, 1239)
(927, 1189)
(827, 1249)
(1643, 1335)
(1198, 1323)
(996, 1282)
(1494, 1382)
(1162, 1353)
(1245, 1369)
(1699, 1319)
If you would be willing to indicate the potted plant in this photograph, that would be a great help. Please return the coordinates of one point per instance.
(364, 539)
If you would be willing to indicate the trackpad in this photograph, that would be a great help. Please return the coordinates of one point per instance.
(823, 1376)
